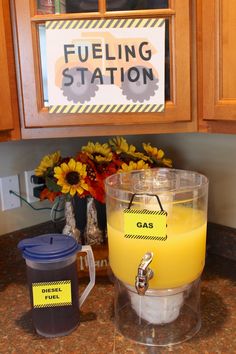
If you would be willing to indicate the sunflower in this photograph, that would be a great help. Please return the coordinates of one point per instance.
(167, 162)
(153, 151)
(48, 161)
(99, 153)
(71, 177)
(121, 147)
(157, 155)
(133, 166)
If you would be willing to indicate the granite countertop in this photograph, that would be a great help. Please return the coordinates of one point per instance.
(96, 333)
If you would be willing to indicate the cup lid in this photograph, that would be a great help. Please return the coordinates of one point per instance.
(49, 247)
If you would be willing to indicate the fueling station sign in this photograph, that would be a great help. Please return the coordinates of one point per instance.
(104, 66)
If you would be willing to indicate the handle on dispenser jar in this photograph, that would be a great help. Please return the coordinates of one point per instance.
(91, 263)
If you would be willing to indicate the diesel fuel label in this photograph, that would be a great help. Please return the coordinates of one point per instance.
(145, 224)
(50, 294)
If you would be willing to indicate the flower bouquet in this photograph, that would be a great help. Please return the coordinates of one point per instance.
(81, 177)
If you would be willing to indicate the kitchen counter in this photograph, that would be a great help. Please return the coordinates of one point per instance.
(96, 333)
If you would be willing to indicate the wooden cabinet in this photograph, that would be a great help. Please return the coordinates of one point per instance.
(201, 70)
(216, 21)
(180, 109)
(9, 118)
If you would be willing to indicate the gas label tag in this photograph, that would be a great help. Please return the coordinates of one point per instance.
(51, 294)
(145, 224)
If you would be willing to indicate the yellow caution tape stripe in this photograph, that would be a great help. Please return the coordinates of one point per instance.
(105, 23)
(151, 108)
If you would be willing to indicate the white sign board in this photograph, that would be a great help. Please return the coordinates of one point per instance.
(101, 66)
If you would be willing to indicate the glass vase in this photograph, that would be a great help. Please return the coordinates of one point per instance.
(90, 220)
(70, 225)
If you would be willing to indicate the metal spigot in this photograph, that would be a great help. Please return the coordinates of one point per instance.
(144, 274)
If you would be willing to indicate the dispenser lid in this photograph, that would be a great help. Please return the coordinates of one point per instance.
(49, 247)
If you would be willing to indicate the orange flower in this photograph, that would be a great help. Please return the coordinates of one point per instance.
(47, 194)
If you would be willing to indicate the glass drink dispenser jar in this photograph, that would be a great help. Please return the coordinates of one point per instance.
(156, 223)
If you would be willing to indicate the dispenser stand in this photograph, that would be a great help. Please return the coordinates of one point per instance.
(160, 317)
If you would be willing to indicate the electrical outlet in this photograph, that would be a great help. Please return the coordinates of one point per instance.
(9, 200)
(29, 187)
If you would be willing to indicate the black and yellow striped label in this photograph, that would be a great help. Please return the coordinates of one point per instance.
(107, 108)
(51, 294)
(105, 23)
(143, 224)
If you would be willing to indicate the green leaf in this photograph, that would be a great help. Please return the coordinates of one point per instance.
(52, 185)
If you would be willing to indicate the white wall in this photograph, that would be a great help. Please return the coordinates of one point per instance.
(215, 156)
(212, 155)
(17, 157)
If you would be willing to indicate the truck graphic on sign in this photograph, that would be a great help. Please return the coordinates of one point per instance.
(99, 58)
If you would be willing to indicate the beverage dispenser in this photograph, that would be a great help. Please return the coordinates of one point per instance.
(156, 223)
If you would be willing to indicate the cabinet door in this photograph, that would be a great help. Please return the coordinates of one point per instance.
(217, 58)
(9, 125)
(6, 114)
(38, 122)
